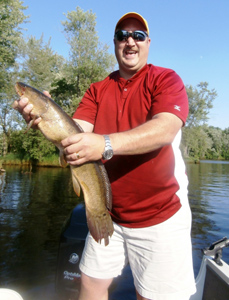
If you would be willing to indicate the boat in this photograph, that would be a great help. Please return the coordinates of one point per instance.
(212, 281)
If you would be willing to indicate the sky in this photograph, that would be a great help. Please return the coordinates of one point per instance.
(188, 36)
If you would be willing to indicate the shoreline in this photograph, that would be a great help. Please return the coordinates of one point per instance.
(54, 162)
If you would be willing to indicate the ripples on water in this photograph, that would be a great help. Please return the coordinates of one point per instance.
(209, 199)
(34, 206)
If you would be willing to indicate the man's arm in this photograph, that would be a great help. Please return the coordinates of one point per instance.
(150, 136)
(86, 126)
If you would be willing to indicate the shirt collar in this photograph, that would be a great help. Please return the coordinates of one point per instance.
(140, 73)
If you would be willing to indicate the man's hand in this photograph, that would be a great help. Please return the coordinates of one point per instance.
(25, 109)
(83, 147)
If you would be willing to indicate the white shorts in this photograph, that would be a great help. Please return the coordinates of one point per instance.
(160, 257)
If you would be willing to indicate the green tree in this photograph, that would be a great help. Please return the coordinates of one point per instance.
(225, 144)
(200, 103)
(196, 141)
(89, 59)
(41, 65)
(11, 16)
(215, 134)
(39, 68)
(31, 145)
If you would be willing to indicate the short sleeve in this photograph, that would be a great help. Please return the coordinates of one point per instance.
(87, 109)
(169, 94)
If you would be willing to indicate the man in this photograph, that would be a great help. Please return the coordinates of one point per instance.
(132, 120)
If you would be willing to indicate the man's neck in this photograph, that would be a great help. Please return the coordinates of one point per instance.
(128, 74)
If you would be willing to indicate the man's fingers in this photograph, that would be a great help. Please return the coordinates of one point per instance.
(47, 93)
(71, 140)
(15, 104)
(20, 104)
(25, 110)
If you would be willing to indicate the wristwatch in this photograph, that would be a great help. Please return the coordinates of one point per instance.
(108, 151)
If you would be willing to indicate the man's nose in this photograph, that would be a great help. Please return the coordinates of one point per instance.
(130, 41)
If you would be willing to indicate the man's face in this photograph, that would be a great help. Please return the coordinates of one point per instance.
(131, 55)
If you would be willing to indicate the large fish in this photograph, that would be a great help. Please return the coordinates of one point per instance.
(56, 125)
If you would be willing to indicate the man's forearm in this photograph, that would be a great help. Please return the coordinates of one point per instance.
(150, 136)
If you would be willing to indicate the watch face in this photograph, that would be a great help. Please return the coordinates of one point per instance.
(108, 154)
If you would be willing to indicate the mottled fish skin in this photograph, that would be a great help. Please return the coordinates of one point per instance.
(91, 177)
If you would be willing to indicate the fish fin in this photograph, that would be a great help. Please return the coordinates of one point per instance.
(62, 159)
(100, 226)
(30, 124)
(76, 185)
(78, 126)
(106, 184)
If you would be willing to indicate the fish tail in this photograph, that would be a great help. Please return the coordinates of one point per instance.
(100, 226)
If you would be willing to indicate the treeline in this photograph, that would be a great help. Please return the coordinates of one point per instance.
(33, 61)
(199, 140)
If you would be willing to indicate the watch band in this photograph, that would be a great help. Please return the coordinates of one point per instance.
(108, 151)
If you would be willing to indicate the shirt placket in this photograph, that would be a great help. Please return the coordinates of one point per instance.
(125, 90)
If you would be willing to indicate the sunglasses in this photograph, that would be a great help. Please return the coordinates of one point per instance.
(137, 35)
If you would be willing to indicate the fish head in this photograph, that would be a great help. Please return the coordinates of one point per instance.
(20, 88)
(38, 99)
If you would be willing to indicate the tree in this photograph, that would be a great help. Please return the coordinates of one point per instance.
(225, 144)
(196, 142)
(31, 145)
(200, 103)
(89, 59)
(215, 134)
(41, 65)
(11, 16)
(39, 68)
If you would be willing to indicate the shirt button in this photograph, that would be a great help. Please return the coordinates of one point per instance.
(125, 90)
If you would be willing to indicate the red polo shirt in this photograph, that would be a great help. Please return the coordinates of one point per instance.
(144, 187)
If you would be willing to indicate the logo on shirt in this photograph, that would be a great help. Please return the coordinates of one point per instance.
(177, 107)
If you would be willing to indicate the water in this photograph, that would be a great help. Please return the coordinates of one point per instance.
(33, 208)
(209, 199)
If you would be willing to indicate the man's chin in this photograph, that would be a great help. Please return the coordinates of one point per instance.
(130, 65)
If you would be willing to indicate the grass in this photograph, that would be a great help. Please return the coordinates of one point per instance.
(15, 159)
(51, 160)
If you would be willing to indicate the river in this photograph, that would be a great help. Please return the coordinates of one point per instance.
(34, 206)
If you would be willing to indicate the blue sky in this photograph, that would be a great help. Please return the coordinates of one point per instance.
(189, 36)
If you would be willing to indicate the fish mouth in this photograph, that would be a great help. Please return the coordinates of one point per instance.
(20, 88)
